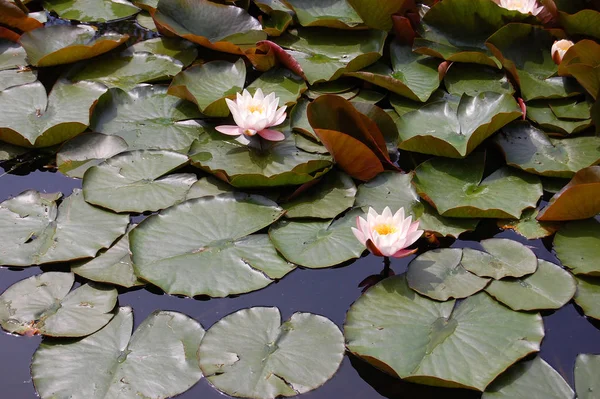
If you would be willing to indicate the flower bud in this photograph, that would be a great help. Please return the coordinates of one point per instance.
(559, 48)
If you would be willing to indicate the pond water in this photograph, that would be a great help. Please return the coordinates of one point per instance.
(328, 292)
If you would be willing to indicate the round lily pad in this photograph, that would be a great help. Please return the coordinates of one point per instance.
(587, 367)
(436, 343)
(42, 304)
(34, 230)
(86, 150)
(528, 226)
(550, 287)
(138, 181)
(286, 85)
(504, 258)
(533, 379)
(577, 245)
(176, 48)
(159, 360)
(438, 274)
(390, 189)
(252, 354)
(202, 246)
(547, 114)
(472, 79)
(432, 222)
(588, 295)
(91, 10)
(329, 13)
(317, 244)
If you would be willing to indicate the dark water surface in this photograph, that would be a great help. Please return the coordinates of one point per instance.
(328, 292)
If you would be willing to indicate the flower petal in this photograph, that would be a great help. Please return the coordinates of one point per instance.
(374, 250)
(359, 235)
(404, 252)
(230, 130)
(272, 135)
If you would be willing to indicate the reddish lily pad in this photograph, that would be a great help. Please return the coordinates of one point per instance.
(13, 16)
(582, 61)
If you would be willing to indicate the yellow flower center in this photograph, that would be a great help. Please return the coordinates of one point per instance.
(385, 229)
(256, 108)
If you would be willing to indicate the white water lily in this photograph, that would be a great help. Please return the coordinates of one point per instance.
(559, 49)
(387, 234)
(524, 6)
(255, 115)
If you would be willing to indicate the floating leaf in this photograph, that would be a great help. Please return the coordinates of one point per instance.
(586, 370)
(471, 79)
(547, 114)
(9, 151)
(317, 244)
(378, 15)
(159, 360)
(533, 379)
(202, 246)
(434, 343)
(42, 304)
(587, 296)
(279, 18)
(577, 245)
(64, 44)
(138, 181)
(33, 230)
(384, 121)
(91, 10)
(13, 71)
(181, 50)
(285, 84)
(15, 77)
(455, 188)
(299, 119)
(580, 199)
(209, 84)
(441, 128)
(13, 16)
(251, 353)
(432, 222)
(504, 258)
(329, 13)
(582, 61)
(208, 186)
(439, 274)
(390, 189)
(30, 117)
(528, 226)
(144, 19)
(86, 150)
(584, 22)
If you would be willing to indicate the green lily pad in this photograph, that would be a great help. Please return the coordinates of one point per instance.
(412, 75)
(369, 97)
(456, 189)
(91, 10)
(586, 371)
(181, 50)
(12, 66)
(384, 121)
(329, 13)
(252, 353)
(377, 15)
(472, 79)
(316, 244)
(584, 22)
(533, 379)
(330, 197)
(146, 117)
(42, 304)
(325, 54)
(113, 266)
(30, 117)
(128, 69)
(528, 226)
(309, 145)
(543, 113)
(16, 77)
(209, 84)
(582, 61)
(86, 150)
(431, 221)
(528, 148)
(285, 84)
(278, 163)
(440, 128)
(439, 275)
(159, 360)
(34, 230)
(144, 19)
(577, 245)
(587, 296)
(208, 186)
(64, 44)
(9, 151)
(279, 16)
(504, 258)
(550, 287)
(138, 181)
(202, 246)
(436, 343)
(390, 189)
(299, 119)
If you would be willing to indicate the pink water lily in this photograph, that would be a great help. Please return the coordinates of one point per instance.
(255, 115)
(387, 234)
(524, 6)
(559, 49)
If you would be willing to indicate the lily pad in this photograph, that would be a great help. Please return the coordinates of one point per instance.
(159, 360)
(550, 287)
(582, 61)
(528, 226)
(327, 199)
(13, 16)
(587, 296)
(91, 10)
(586, 370)
(251, 353)
(42, 304)
(16, 77)
(533, 379)
(472, 79)
(439, 275)
(34, 230)
(528, 148)
(202, 246)
(378, 15)
(278, 163)
(431, 221)
(13, 62)
(316, 244)
(147, 117)
(32, 118)
(577, 245)
(299, 119)
(390, 189)
(547, 114)
(436, 343)
(504, 258)
(138, 181)
(329, 13)
(456, 189)
(86, 150)
(64, 44)
(209, 84)
(325, 54)
(584, 22)
(208, 186)
(181, 50)
(441, 128)
(285, 84)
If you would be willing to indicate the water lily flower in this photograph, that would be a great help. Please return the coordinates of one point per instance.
(559, 48)
(254, 115)
(387, 234)
(524, 6)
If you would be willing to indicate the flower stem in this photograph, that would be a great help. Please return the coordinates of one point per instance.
(386, 267)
